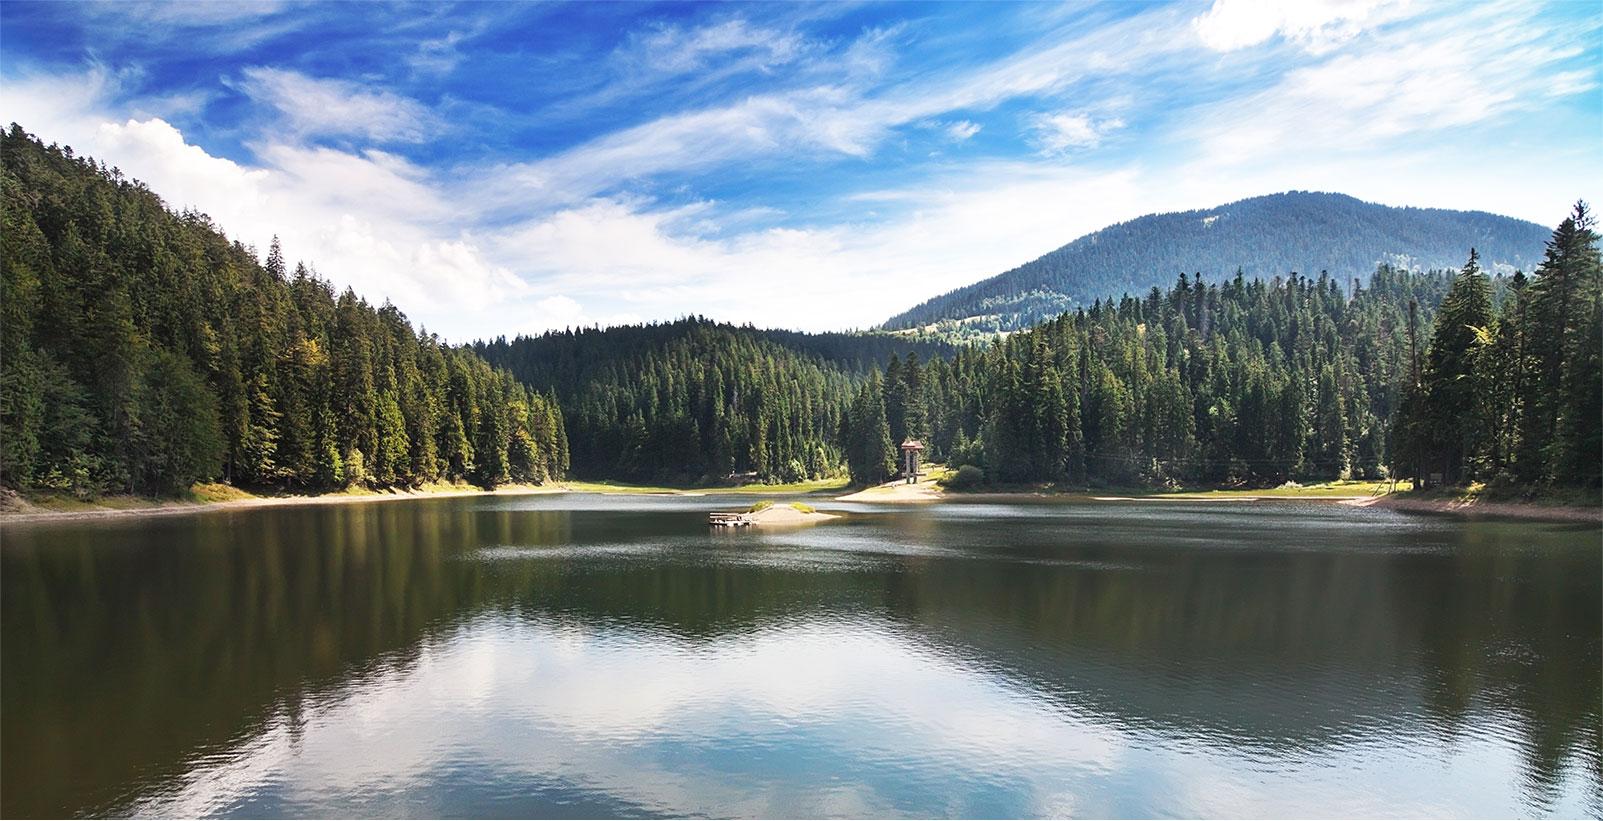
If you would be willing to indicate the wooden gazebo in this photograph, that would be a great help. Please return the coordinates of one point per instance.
(910, 450)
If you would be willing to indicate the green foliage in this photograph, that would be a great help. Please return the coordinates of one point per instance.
(1453, 426)
(870, 454)
(1560, 381)
(760, 506)
(142, 351)
(1249, 381)
(693, 401)
(967, 477)
(174, 437)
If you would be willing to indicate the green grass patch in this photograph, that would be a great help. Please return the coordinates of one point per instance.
(209, 492)
(804, 507)
(808, 487)
(1320, 490)
(760, 506)
(618, 487)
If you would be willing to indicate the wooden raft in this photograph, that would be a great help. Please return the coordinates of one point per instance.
(729, 519)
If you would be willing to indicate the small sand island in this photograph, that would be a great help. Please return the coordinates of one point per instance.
(768, 514)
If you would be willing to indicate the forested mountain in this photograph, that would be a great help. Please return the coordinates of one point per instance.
(694, 400)
(1303, 232)
(142, 351)
(1257, 381)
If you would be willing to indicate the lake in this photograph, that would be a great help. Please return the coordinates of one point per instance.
(585, 655)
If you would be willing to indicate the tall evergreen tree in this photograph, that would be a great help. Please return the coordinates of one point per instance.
(1456, 430)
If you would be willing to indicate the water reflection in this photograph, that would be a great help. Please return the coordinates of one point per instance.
(583, 656)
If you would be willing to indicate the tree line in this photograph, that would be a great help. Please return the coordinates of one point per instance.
(1255, 381)
(142, 351)
(1511, 388)
(692, 400)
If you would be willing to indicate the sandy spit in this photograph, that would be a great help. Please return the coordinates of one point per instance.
(785, 516)
(33, 514)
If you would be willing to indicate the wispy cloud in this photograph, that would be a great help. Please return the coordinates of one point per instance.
(1470, 67)
(1062, 131)
(333, 107)
(203, 27)
(834, 120)
(438, 55)
(675, 50)
(962, 129)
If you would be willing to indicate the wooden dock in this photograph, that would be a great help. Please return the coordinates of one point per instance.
(730, 519)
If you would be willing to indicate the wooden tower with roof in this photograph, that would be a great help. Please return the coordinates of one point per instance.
(910, 450)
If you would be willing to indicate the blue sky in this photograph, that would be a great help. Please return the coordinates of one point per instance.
(505, 168)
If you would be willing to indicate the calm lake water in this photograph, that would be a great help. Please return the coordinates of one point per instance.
(580, 655)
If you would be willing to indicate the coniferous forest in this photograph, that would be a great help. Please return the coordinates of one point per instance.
(143, 351)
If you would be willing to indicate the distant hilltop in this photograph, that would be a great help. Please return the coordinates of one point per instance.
(1300, 231)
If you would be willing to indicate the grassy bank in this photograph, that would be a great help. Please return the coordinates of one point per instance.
(1343, 489)
(45, 505)
(1480, 493)
(1346, 489)
(39, 506)
(818, 486)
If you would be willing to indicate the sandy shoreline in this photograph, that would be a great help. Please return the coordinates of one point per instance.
(1507, 510)
(178, 507)
(926, 491)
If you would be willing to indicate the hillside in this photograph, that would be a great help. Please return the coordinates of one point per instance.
(690, 400)
(1300, 231)
(142, 351)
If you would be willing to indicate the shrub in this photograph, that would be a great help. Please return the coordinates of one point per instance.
(760, 506)
(967, 476)
(804, 507)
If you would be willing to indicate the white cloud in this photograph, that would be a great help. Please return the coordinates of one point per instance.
(815, 120)
(1065, 130)
(838, 120)
(330, 107)
(962, 130)
(371, 220)
(674, 50)
(940, 236)
(1316, 25)
(211, 27)
(437, 55)
(1461, 69)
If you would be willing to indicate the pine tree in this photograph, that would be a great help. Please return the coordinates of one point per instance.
(1576, 450)
(870, 454)
(1450, 409)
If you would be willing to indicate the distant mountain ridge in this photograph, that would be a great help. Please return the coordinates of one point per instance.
(1300, 231)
